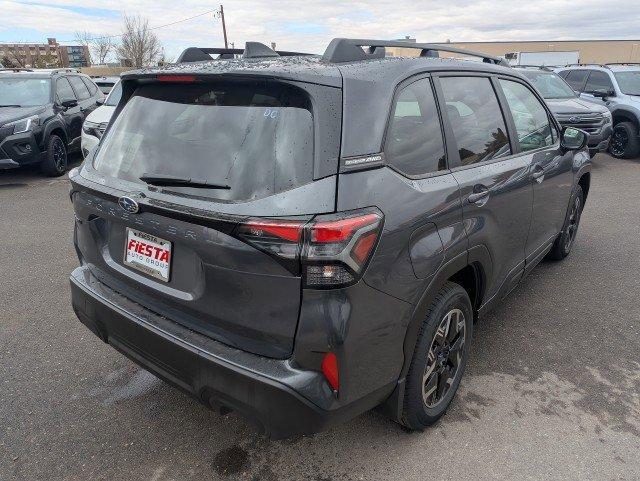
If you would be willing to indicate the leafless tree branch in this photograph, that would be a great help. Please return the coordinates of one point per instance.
(140, 45)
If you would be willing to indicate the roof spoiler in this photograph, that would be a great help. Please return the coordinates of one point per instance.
(351, 50)
(251, 50)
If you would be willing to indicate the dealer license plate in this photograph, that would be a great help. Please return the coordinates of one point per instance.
(148, 253)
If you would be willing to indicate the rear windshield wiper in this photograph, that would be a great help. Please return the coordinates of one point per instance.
(172, 181)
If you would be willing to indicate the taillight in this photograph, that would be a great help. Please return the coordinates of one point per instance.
(338, 247)
(281, 238)
(332, 250)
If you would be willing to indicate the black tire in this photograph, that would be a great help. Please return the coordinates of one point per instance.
(55, 162)
(422, 405)
(565, 240)
(624, 143)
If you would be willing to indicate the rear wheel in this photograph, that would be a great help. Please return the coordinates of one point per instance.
(625, 143)
(55, 162)
(440, 357)
(564, 242)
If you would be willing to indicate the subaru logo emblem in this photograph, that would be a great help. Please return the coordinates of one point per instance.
(128, 204)
(575, 120)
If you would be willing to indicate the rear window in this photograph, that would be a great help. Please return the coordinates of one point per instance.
(255, 137)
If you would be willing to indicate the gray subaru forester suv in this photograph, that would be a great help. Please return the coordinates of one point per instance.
(303, 238)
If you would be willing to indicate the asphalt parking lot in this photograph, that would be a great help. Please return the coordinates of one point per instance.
(552, 390)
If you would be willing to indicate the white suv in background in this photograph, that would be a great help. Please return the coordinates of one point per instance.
(96, 123)
(617, 87)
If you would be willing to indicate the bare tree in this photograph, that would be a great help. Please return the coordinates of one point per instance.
(139, 44)
(85, 38)
(13, 58)
(101, 48)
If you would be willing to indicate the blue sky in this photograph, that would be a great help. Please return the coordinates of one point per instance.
(309, 25)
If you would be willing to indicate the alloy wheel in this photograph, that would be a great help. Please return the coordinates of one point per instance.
(445, 357)
(572, 226)
(619, 141)
(59, 155)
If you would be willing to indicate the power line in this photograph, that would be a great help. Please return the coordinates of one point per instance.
(120, 35)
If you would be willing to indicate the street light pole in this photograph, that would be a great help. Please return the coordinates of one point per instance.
(224, 27)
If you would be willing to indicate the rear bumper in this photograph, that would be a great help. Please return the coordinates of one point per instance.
(266, 391)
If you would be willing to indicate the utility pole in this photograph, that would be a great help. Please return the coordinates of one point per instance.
(224, 27)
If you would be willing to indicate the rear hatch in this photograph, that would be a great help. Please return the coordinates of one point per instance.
(193, 202)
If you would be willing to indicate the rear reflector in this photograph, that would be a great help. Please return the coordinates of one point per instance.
(330, 370)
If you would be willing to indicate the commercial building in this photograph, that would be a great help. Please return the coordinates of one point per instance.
(589, 51)
(50, 54)
(74, 56)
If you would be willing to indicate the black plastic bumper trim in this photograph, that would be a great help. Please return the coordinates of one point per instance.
(276, 408)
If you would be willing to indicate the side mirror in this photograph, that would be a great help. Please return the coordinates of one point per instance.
(573, 139)
(100, 101)
(603, 94)
(67, 104)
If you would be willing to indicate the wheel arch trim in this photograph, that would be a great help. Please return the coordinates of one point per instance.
(477, 257)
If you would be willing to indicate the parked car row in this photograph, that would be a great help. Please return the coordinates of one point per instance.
(303, 238)
(604, 101)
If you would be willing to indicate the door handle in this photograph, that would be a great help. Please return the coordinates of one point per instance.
(479, 197)
(538, 173)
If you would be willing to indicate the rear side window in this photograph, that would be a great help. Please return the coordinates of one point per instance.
(576, 79)
(64, 90)
(255, 137)
(414, 142)
(80, 88)
(598, 81)
(90, 85)
(476, 119)
(531, 119)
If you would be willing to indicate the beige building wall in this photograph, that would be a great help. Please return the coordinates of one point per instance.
(591, 51)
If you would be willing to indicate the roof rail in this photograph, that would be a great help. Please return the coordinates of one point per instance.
(592, 64)
(251, 50)
(15, 69)
(622, 63)
(65, 70)
(350, 50)
(541, 67)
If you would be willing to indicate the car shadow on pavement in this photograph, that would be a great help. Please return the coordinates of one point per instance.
(29, 174)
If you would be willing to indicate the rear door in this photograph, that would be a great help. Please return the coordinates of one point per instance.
(494, 183)
(72, 115)
(221, 258)
(85, 99)
(550, 172)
